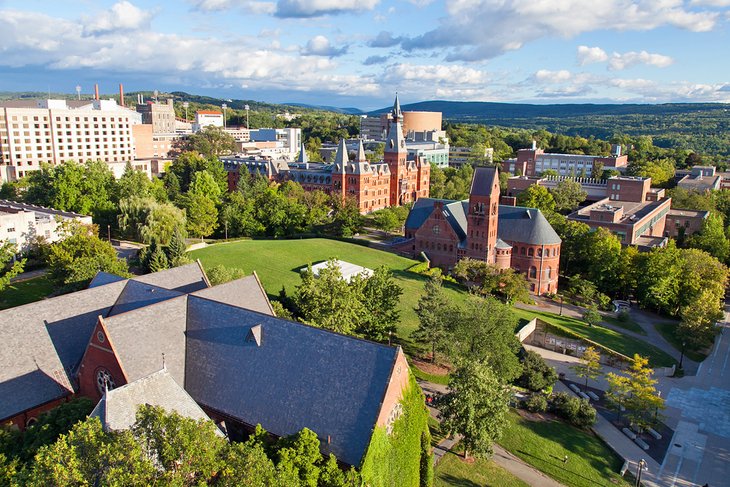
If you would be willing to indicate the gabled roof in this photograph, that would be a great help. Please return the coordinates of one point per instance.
(117, 409)
(138, 295)
(525, 225)
(303, 158)
(297, 376)
(246, 292)
(42, 343)
(482, 183)
(141, 337)
(103, 278)
(454, 212)
(185, 279)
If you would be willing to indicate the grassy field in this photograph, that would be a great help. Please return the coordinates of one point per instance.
(544, 444)
(278, 263)
(629, 324)
(666, 329)
(25, 292)
(452, 470)
(609, 338)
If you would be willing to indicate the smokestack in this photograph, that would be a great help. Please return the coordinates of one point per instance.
(121, 94)
(96, 91)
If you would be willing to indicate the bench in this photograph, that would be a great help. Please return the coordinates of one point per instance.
(592, 395)
(574, 388)
(641, 443)
(653, 433)
(629, 433)
(583, 395)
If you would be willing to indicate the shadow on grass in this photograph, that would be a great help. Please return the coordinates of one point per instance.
(559, 464)
(454, 480)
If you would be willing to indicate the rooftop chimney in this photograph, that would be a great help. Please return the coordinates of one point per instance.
(96, 91)
(534, 145)
(121, 94)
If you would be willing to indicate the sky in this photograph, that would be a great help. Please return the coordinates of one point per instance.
(358, 53)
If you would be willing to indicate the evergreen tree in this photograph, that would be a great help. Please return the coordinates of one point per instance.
(432, 312)
(158, 260)
(176, 255)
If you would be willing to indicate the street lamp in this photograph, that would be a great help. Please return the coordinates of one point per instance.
(185, 106)
(561, 305)
(640, 467)
(656, 411)
(246, 107)
(224, 107)
(681, 356)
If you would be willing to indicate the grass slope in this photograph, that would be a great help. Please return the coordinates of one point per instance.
(667, 330)
(278, 262)
(609, 338)
(453, 470)
(543, 444)
(25, 292)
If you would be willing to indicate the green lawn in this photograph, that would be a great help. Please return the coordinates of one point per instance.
(25, 292)
(436, 379)
(543, 444)
(608, 338)
(453, 470)
(278, 262)
(629, 324)
(666, 329)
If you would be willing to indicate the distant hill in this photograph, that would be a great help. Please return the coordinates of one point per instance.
(486, 111)
(327, 108)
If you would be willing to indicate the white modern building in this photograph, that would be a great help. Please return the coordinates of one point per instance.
(55, 131)
(21, 223)
(204, 118)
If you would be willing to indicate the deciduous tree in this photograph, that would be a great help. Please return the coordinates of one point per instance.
(568, 194)
(589, 366)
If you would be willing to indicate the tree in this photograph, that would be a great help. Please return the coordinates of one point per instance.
(145, 219)
(537, 375)
(432, 312)
(589, 366)
(176, 250)
(483, 329)
(158, 260)
(597, 170)
(202, 215)
(386, 220)
(220, 274)
(212, 142)
(568, 194)
(711, 238)
(186, 165)
(75, 259)
(346, 218)
(328, 301)
(300, 453)
(475, 407)
(9, 266)
(246, 464)
(537, 197)
(697, 327)
(203, 183)
(591, 316)
(659, 275)
(643, 399)
(380, 297)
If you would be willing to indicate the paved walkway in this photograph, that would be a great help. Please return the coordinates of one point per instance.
(643, 318)
(527, 473)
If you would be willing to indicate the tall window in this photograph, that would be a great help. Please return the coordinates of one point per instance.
(533, 272)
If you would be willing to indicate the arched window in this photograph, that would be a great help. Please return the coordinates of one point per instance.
(549, 272)
(539, 252)
(522, 251)
(533, 272)
(530, 252)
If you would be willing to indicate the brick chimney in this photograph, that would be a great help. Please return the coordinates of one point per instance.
(121, 94)
(96, 91)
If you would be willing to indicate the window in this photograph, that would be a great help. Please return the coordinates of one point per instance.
(533, 272)
(104, 380)
(530, 252)
(436, 230)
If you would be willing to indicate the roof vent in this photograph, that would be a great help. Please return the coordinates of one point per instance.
(254, 335)
(528, 214)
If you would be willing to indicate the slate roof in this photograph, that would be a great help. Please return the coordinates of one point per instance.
(117, 409)
(299, 376)
(42, 343)
(483, 181)
(525, 225)
(516, 223)
(246, 292)
(141, 336)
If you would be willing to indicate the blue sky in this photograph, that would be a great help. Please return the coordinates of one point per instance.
(359, 52)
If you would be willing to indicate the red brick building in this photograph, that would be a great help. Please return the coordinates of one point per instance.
(394, 181)
(480, 228)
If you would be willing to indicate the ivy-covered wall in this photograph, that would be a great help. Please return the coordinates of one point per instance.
(402, 458)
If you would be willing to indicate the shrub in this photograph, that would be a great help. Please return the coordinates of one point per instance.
(537, 403)
(536, 373)
(577, 412)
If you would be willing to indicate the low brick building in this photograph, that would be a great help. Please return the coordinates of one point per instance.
(683, 223)
(480, 228)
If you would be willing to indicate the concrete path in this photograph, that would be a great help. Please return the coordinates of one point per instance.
(525, 472)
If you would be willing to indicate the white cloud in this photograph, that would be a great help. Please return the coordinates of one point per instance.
(316, 8)
(546, 76)
(320, 46)
(435, 73)
(122, 16)
(252, 6)
(482, 29)
(589, 55)
(712, 3)
(629, 59)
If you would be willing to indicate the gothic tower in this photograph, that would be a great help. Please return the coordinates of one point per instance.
(482, 215)
(395, 156)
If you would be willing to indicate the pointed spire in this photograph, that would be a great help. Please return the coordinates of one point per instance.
(397, 114)
(302, 154)
(361, 153)
(341, 158)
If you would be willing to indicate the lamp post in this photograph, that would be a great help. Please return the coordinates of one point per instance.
(639, 469)
(224, 107)
(681, 355)
(246, 107)
(561, 305)
(656, 411)
(185, 106)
